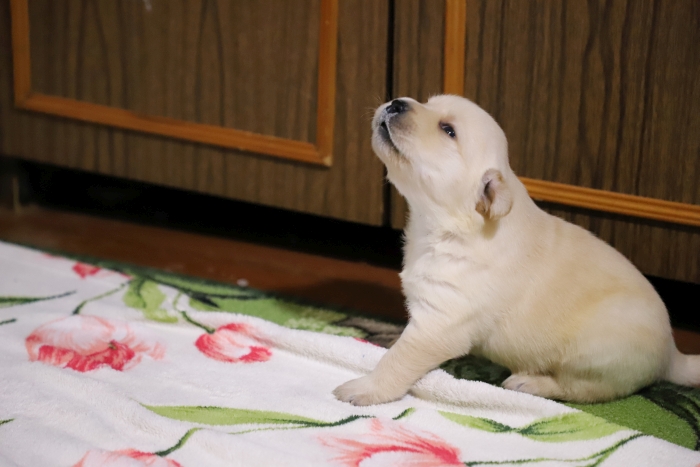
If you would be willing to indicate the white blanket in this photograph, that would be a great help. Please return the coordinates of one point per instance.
(103, 369)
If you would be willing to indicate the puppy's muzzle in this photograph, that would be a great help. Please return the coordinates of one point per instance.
(392, 111)
(397, 106)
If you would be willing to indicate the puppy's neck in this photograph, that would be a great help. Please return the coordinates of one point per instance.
(436, 222)
(428, 221)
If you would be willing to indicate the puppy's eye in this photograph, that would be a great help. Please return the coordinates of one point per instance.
(448, 129)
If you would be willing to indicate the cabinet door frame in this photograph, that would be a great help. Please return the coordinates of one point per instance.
(319, 153)
(542, 190)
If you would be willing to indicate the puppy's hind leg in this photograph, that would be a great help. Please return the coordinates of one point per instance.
(537, 385)
(568, 388)
(411, 357)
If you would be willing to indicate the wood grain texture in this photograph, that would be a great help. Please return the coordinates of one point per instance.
(180, 129)
(454, 45)
(609, 201)
(419, 27)
(566, 194)
(601, 94)
(250, 65)
(351, 189)
(656, 248)
(632, 127)
(20, 51)
(94, 33)
(327, 68)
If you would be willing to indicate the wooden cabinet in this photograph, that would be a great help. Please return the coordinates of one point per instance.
(256, 100)
(269, 101)
(600, 101)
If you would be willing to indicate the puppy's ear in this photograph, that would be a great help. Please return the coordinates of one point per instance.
(495, 199)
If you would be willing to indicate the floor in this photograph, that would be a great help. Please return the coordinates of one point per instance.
(360, 286)
(356, 285)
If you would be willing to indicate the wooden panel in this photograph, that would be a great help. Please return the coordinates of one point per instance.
(600, 94)
(656, 248)
(351, 189)
(456, 18)
(164, 65)
(633, 106)
(418, 64)
(221, 63)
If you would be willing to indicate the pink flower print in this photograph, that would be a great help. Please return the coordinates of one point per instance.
(85, 270)
(233, 343)
(365, 341)
(125, 458)
(395, 445)
(85, 343)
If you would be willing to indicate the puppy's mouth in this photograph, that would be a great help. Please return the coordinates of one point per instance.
(386, 136)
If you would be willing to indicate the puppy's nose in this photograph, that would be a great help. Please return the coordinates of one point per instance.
(397, 106)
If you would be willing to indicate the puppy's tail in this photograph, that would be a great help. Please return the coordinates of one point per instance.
(684, 369)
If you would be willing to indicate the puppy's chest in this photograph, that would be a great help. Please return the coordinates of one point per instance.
(451, 280)
(447, 261)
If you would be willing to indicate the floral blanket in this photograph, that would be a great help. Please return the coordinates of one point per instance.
(139, 368)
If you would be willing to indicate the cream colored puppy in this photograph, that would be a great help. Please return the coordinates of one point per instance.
(487, 272)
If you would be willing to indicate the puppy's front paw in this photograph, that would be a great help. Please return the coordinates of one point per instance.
(364, 391)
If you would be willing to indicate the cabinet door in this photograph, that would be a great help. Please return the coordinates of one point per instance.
(600, 101)
(257, 100)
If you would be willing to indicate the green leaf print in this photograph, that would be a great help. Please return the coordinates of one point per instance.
(662, 410)
(288, 314)
(483, 424)
(181, 442)
(230, 416)
(576, 426)
(405, 413)
(596, 459)
(201, 289)
(2, 422)
(674, 401)
(145, 295)
(206, 296)
(6, 302)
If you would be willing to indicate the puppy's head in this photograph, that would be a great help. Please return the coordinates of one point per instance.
(447, 153)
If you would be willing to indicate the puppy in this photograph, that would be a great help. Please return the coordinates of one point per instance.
(487, 272)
